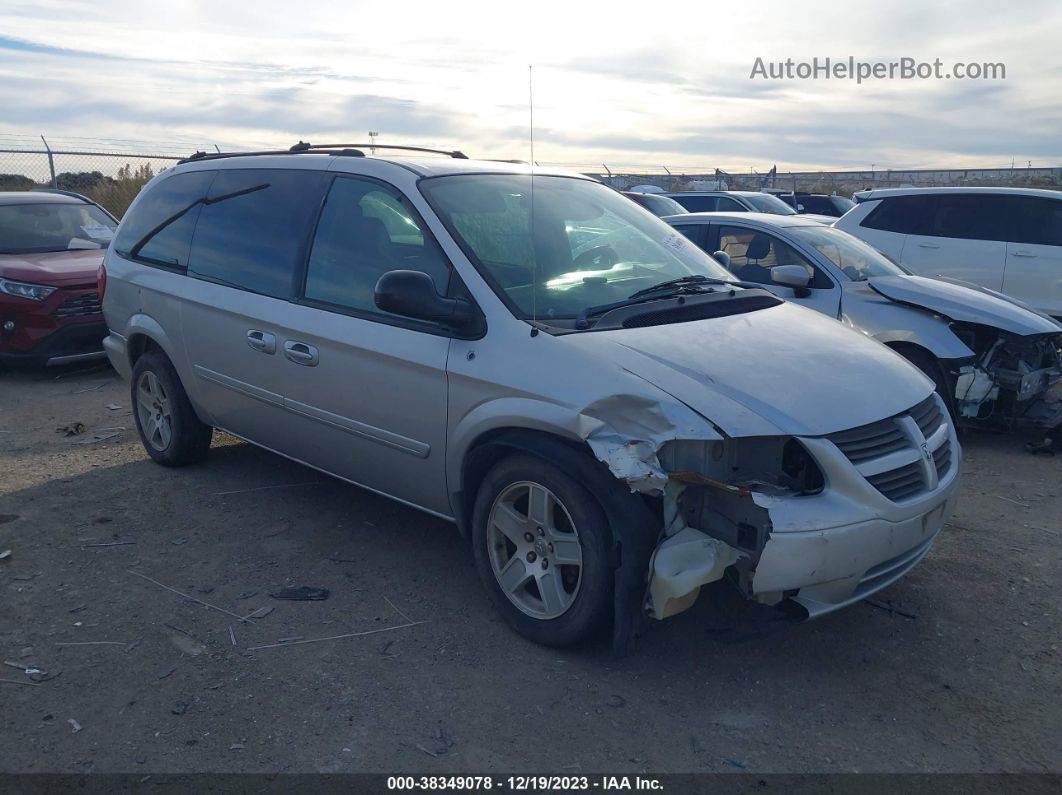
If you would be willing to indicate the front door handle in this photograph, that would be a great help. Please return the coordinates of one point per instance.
(300, 353)
(928, 245)
(1024, 254)
(262, 341)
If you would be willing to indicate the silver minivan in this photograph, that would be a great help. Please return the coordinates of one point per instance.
(610, 420)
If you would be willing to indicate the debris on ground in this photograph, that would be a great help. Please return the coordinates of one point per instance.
(100, 437)
(888, 608)
(261, 612)
(75, 727)
(114, 406)
(186, 596)
(303, 593)
(5, 555)
(71, 429)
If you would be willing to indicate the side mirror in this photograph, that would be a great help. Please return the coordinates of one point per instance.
(795, 276)
(413, 294)
(723, 258)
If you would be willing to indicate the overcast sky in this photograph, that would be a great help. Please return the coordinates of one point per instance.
(614, 83)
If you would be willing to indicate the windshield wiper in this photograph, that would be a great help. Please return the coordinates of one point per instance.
(684, 285)
(683, 281)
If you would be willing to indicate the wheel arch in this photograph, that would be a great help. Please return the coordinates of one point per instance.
(633, 519)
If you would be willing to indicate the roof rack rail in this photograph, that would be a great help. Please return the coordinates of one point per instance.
(303, 147)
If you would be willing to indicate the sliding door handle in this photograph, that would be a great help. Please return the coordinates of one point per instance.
(301, 353)
(262, 341)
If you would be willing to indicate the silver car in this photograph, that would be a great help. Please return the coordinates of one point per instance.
(585, 394)
(994, 360)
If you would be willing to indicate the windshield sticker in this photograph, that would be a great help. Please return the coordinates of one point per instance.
(98, 231)
(675, 241)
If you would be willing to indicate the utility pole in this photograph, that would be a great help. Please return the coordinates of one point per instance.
(372, 140)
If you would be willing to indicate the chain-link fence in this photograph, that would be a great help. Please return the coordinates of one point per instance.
(110, 172)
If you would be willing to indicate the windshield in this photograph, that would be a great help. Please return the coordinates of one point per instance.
(35, 228)
(856, 259)
(766, 203)
(584, 245)
(661, 205)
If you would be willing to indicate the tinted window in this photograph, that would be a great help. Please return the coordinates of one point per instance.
(766, 203)
(698, 204)
(753, 254)
(365, 231)
(968, 217)
(1038, 221)
(253, 228)
(903, 214)
(728, 205)
(158, 229)
(695, 232)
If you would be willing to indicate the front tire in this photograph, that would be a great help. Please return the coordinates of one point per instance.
(930, 365)
(541, 547)
(169, 429)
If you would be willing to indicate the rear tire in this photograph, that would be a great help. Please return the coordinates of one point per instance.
(535, 529)
(169, 429)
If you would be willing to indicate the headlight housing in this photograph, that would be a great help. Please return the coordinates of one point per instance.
(34, 292)
(779, 464)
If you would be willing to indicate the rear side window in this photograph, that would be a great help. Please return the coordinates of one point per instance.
(968, 217)
(254, 227)
(698, 204)
(905, 215)
(1038, 221)
(158, 229)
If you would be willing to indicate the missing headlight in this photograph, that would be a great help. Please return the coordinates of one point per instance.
(798, 465)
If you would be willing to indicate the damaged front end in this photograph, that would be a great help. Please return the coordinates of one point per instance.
(809, 523)
(1009, 382)
(716, 512)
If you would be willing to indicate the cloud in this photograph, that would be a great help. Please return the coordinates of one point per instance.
(624, 86)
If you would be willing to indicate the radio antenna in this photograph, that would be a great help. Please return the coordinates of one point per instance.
(534, 250)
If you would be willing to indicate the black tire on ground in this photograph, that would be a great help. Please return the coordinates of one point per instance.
(590, 612)
(189, 438)
(934, 371)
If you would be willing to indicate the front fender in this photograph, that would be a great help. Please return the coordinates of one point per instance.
(892, 323)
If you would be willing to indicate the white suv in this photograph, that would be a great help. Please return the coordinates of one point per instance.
(1006, 239)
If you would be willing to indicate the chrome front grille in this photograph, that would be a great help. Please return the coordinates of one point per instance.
(902, 456)
(82, 305)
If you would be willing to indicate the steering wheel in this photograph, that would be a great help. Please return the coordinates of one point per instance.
(598, 256)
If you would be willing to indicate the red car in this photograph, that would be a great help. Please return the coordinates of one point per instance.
(51, 249)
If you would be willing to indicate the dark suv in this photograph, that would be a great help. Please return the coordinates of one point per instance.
(51, 249)
(818, 203)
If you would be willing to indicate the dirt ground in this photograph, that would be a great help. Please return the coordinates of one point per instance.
(962, 676)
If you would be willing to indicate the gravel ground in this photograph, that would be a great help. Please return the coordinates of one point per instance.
(962, 676)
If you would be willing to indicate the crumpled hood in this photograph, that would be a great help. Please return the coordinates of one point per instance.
(964, 301)
(54, 268)
(783, 370)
